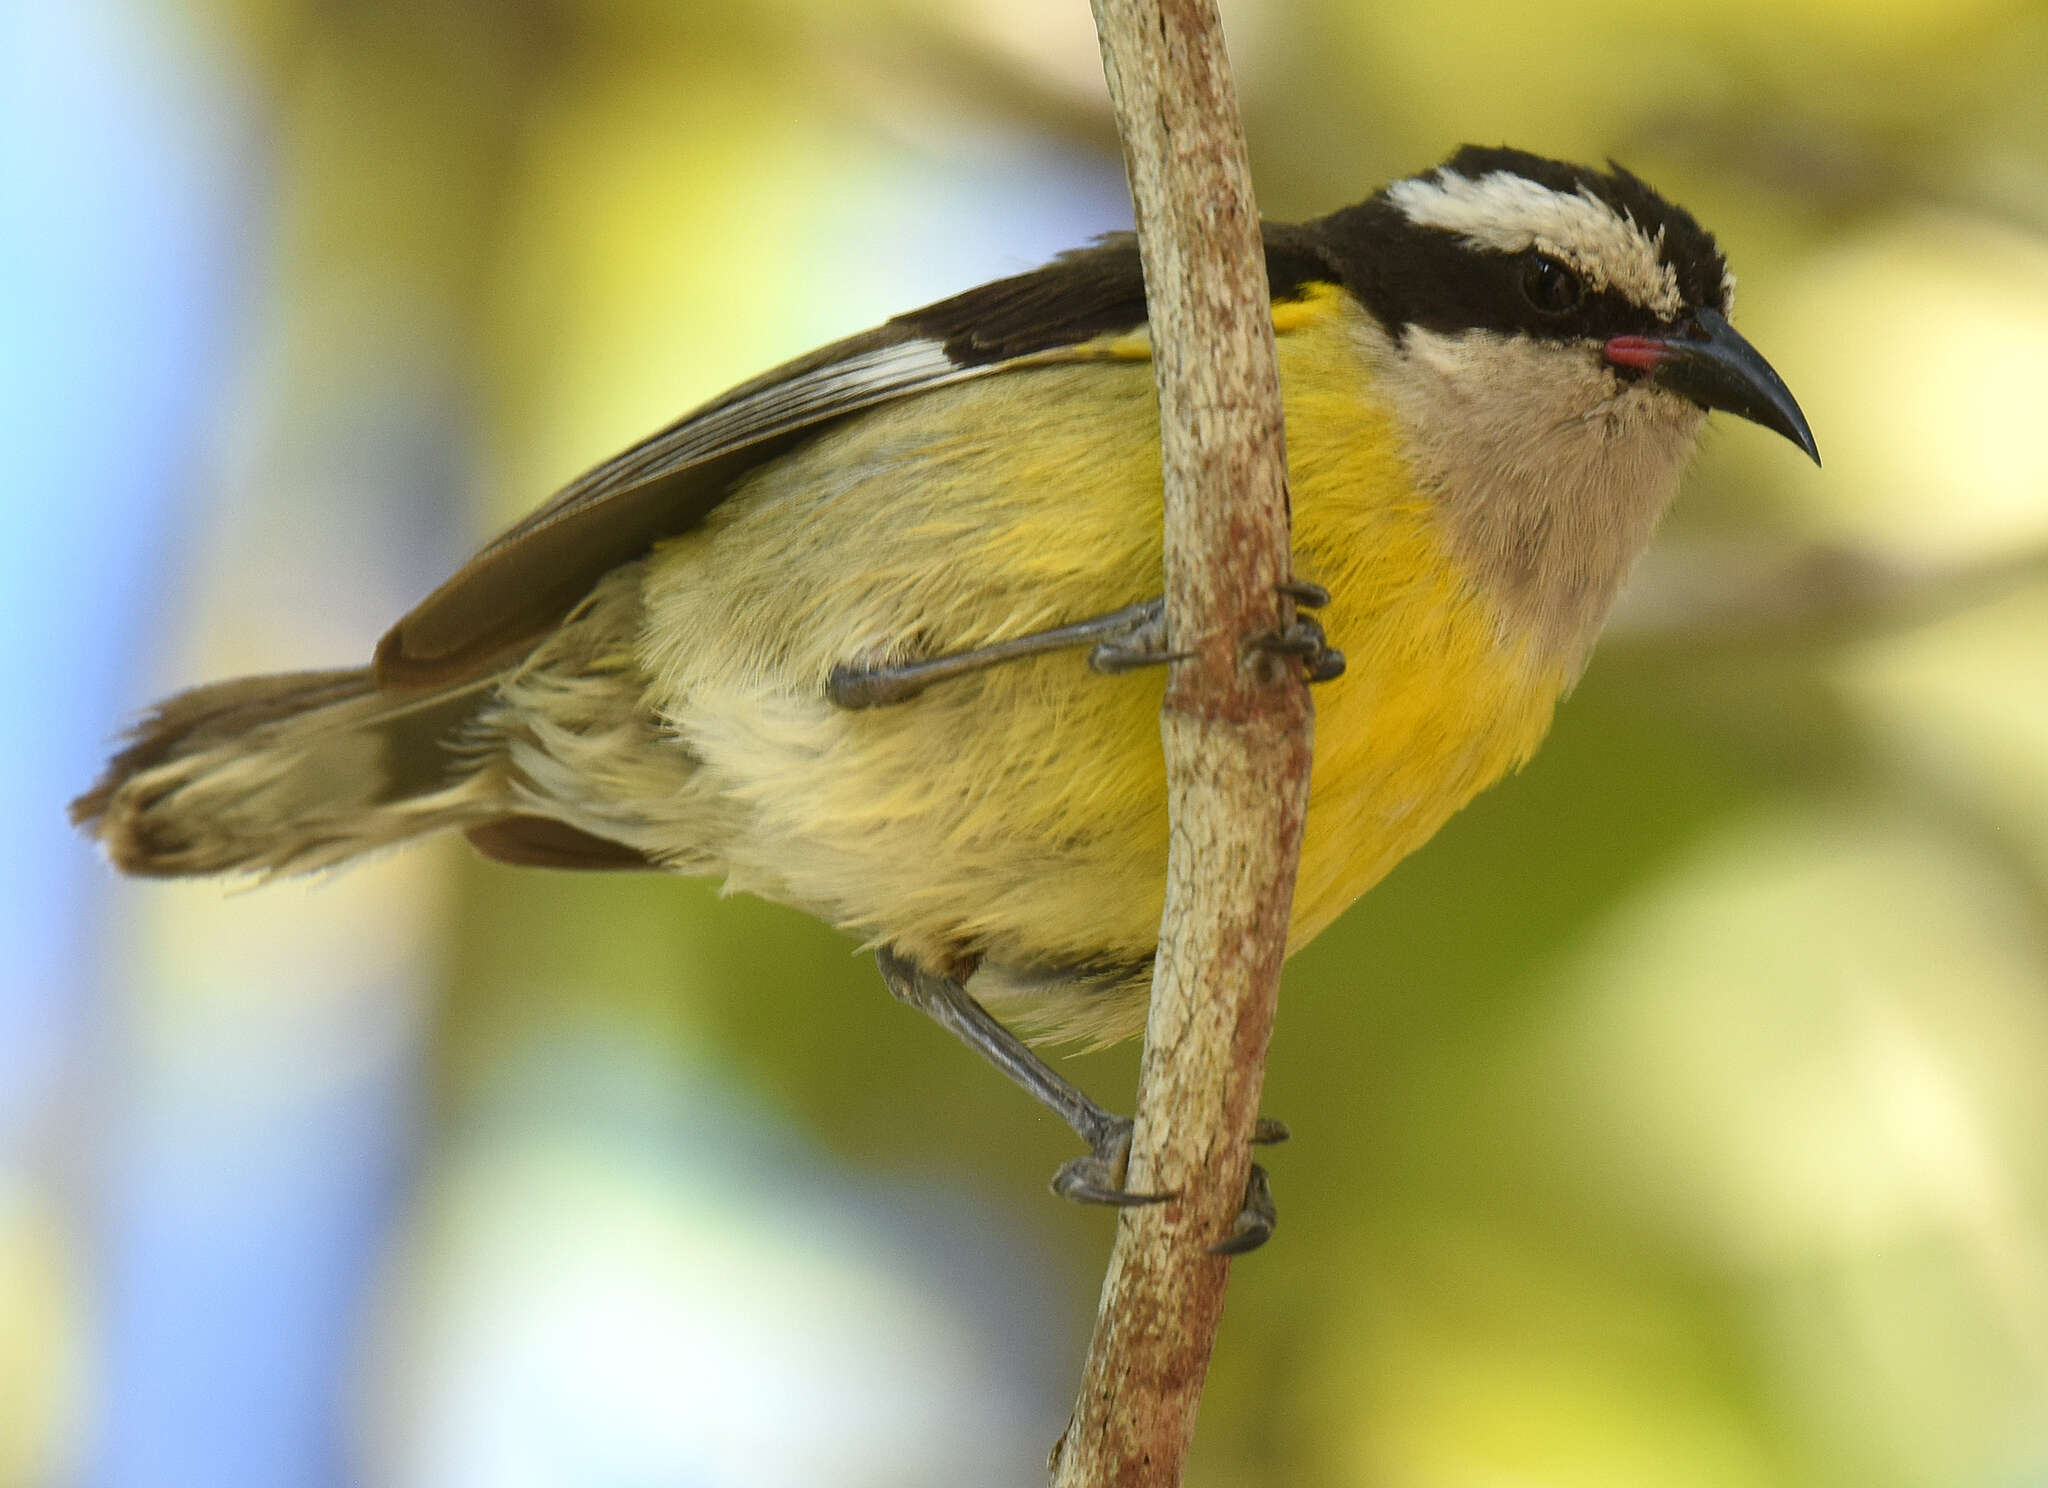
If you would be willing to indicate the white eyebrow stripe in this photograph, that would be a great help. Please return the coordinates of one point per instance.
(1508, 213)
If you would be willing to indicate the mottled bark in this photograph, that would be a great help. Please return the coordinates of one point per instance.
(1237, 731)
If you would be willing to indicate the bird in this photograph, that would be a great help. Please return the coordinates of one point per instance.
(878, 634)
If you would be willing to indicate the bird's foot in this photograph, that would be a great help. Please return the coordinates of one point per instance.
(1140, 643)
(1304, 638)
(1099, 1178)
(1256, 1219)
(1142, 640)
(1302, 592)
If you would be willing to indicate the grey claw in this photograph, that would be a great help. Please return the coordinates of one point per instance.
(1269, 1131)
(1098, 1178)
(1142, 643)
(1255, 1222)
(1304, 638)
(1302, 592)
(1090, 1180)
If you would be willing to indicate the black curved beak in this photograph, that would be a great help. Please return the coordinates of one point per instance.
(1710, 363)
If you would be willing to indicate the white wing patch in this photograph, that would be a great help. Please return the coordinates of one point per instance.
(858, 381)
(841, 386)
(1509, 213)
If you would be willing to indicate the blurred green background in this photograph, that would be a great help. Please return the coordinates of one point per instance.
(1679, 1117)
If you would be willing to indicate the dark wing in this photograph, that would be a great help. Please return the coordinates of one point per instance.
(526, 580)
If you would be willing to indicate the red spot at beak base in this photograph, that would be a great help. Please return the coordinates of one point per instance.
(1638, 353)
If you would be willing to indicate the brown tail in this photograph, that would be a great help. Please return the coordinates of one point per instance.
(290, 773)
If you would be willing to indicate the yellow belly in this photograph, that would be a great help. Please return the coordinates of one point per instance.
(1019, 814)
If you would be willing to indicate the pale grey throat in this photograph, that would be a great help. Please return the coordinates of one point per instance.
(1551, 471)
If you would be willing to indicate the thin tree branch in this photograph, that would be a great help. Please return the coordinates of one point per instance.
(1236, 727)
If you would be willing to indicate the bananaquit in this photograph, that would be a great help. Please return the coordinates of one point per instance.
(867, 635)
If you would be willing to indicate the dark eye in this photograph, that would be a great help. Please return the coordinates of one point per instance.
(1550, 286)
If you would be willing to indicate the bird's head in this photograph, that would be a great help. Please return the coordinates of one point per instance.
(1550, 337)
(1592, 263)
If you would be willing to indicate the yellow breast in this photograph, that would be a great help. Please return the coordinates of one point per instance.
(1438, 700)
(1019, 814)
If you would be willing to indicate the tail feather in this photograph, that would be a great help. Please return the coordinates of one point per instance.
(289, 774)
